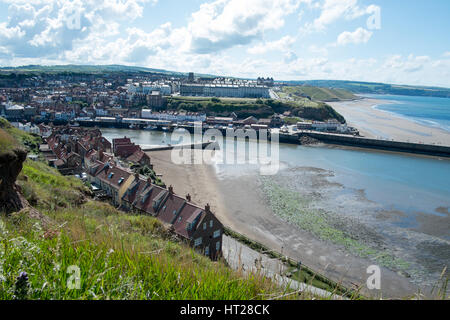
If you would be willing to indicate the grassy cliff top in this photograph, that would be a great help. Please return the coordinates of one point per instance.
(319, 94)
(7, 142)
(11, 137)
(260, 108)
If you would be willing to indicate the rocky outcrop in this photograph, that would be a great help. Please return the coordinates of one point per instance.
(11, 198)
(307, 140)
(11, 163)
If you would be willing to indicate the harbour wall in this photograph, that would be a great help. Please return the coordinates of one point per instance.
(398, 146)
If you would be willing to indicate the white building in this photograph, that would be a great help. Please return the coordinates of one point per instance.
(230, 90)
(148, 88)
(172, 116)
(28, 127)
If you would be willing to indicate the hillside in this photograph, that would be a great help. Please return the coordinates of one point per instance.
(119, 255)
(333, 87)
(88, 69)
(376, 88)
(260, 108)
(318, 93)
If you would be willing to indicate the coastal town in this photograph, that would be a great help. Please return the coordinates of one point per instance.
(142, 102)
(67, 111)
(194, 154)
(112, 172)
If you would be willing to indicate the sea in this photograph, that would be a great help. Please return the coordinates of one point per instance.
(429, 111)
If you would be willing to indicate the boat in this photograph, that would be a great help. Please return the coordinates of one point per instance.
(151, 128)
(165, 129)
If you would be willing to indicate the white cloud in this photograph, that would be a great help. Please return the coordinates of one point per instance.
(36, 33)
(334, 10)
(284, 44)
(45, 28)
(223, 24)
(410, 64)
(360, 35)
(318, 50)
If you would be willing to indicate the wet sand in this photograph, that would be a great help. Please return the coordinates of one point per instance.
(375, 123)
(240, 205)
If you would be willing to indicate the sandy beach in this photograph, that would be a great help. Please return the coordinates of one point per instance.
(375, 123)
(240, 205)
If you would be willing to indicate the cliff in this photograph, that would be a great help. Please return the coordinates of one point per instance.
(11, 164)
(12, 158)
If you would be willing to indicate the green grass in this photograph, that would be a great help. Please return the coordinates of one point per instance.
(319, 94)
(30, 141)
(120, 257)
(260, 108)
(7, 143)
(291, 120)
(146, 171)
(45, 188)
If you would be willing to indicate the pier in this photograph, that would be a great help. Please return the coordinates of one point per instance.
(389, 145)
(201, 146)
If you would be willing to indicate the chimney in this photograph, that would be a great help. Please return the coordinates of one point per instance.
(149, 181)
(171, 189)
(136, 176)
(208, 208)
(188, 197)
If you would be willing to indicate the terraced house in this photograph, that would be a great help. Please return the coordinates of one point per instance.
(197, 226)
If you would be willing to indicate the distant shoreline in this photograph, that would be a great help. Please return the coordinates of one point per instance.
(375, 123)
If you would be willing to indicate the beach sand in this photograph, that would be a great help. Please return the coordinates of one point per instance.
(239, 204)
(197, 180)
(373, 123)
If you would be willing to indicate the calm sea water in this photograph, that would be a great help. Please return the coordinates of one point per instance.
(429, 111)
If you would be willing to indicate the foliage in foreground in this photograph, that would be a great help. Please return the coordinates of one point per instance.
(119, 257)
(12, 137)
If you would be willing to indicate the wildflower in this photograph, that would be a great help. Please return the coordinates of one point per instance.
(21, 286)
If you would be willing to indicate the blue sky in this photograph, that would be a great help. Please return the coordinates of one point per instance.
(399, 41)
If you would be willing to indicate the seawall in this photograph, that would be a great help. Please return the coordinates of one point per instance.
(408, 147)
(203, 145)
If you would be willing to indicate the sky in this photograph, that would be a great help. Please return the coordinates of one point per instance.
(400, 42)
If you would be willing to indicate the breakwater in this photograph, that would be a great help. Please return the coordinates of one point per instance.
(203, 145)
(398, 146)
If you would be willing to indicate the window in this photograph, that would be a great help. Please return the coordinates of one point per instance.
(217, 234)
(198, 242)
(218, 246)
(207, 251)
(204, 226)
(211, 224)
(120, 181)
(111, 175)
